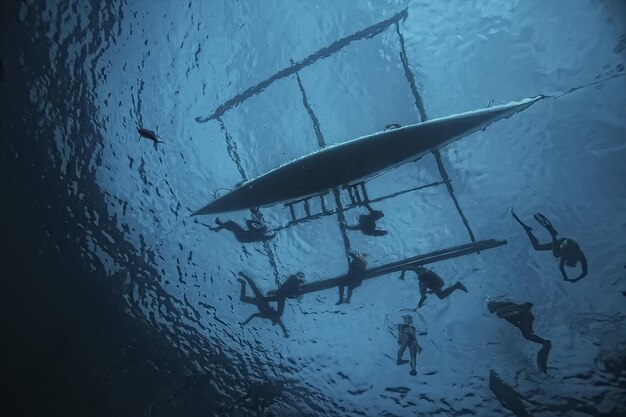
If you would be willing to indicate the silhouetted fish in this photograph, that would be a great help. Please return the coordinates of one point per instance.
(149, 134)
(508, 397)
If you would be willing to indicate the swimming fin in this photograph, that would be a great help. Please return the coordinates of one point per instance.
(542, 220)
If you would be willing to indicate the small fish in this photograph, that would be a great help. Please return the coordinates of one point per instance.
(149, 134)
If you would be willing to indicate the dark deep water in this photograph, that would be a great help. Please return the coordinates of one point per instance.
(117, 303)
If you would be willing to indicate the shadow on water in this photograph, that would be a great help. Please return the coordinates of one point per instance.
(69, 345)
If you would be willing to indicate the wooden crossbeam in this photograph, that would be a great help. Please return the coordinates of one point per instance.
(398, 266)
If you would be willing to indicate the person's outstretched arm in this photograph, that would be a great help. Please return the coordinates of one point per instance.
(583, 264)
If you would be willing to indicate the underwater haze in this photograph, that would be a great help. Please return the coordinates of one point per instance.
(119, 302)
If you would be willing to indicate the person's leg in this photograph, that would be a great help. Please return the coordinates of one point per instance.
(282, 326)
(423, 289)
(533, 240)
(445, 293)
(349, 295)
(219, 224)
(255, 315)
(242, 294)
(421, 301)
(243, 297)
(440, 293)
(230, 226)
(526, 328)
(340, 295)
(255, 289)
(543, 220)
(542, 356)
(280, 305)
(556, 247)
(413, 352)
(401, 350)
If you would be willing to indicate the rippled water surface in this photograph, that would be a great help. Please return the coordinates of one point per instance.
(216, 82)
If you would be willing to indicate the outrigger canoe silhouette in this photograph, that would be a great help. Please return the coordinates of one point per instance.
(338, 165)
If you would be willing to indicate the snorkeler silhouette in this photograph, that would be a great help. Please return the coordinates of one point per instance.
(265, 311)
(149, 134)
(564, 248)
(255, 233)
(367, 223)
(260, 395)
(407, 338)
(520, 316)
(508, 397)
(428, 280)
(354, 277)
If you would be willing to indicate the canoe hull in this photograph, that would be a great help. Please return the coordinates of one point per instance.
(343, 163)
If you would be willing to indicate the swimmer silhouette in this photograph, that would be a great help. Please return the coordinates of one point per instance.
(566, 249)
(407, 338)
(520, 316)
(354, 277)
(428, 280)
(367, 223)
(255, 233)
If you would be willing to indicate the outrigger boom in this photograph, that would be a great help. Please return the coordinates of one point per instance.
(398, 266)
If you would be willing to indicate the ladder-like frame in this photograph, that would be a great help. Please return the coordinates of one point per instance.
(357, 192)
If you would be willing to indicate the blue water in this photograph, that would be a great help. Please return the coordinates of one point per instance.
(120, 208)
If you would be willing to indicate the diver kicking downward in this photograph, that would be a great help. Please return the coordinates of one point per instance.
(520, 316)
(566, 249)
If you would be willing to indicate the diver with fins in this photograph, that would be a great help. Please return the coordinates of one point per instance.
(256, 232)
(520, 316)
(567, 250)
